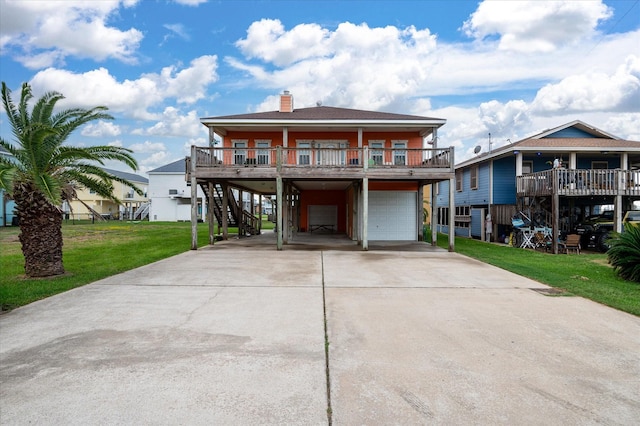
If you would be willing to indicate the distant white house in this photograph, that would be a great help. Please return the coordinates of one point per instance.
(7, 205)
(171, 196)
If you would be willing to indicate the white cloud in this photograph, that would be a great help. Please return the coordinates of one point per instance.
(101, 129)
(132, 98)
(44, 33)
(116, 143)
(174, 124)
(147, 147)
(176, 30)
(536, 26)
(380, 68)
(619, 91)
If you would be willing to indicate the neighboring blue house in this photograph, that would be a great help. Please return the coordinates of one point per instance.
(592, 169)
(6, 204)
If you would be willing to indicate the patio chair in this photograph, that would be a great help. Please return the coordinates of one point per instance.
(572, 243)
(541, 241)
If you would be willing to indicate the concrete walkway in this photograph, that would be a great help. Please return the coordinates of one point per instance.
(235, 334)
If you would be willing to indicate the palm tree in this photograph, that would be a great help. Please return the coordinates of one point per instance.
(43, 169)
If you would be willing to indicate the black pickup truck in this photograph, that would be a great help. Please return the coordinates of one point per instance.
(595, 230)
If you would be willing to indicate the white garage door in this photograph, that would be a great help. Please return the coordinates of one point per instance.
(323, 218)
(392, 216)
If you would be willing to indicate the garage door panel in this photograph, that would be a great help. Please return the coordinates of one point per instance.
(392, 216)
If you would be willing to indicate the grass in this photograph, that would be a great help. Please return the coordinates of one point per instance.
(587, 275)
(91, 252)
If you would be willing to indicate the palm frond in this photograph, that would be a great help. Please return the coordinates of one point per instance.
(50, 187)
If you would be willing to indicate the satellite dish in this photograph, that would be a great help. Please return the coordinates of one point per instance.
(477, 149)
(318, 103)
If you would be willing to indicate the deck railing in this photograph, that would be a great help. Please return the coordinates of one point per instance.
(324, 157)
(576, 182)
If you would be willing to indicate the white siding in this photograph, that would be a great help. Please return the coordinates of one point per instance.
(170, 207)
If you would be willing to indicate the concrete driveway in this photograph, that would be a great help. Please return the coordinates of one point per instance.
(235, 334)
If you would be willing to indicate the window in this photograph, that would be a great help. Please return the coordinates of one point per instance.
(304, 155)
(173, 192)
(458, 180)
(527, 167)
(474, 177)
(240, 152)
(599, 165)
(263, 152)
(399, 153)
(377, 152)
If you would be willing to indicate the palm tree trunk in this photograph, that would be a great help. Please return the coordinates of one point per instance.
(40, 232)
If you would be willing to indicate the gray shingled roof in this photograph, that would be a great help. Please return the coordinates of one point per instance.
(545, 141)
(177, 166)
(322, 113)
(129, 176)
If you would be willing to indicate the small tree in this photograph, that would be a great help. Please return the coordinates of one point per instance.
(43, 169)
(624, 253)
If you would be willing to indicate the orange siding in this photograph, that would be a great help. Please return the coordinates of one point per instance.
(323, 198)
(413, 139)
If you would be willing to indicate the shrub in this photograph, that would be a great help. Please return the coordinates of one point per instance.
(624, 253)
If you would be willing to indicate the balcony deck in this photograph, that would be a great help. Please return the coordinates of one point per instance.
(323, 163)
(579, 182)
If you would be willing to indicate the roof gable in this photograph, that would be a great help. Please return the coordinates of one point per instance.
(177, 166)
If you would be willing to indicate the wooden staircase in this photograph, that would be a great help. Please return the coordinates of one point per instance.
(247, 223)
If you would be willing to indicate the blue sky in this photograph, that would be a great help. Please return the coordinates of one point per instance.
(510, 69)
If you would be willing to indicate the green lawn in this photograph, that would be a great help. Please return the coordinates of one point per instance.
(587, 275)
(91, 252)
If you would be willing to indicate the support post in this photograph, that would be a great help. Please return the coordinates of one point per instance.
(279, 211)
(434, 210)
(260, 213)
(225, 211)
(555, 211)
(194, 200)
(420, 212)
(452, 214)
(365, 213)
(210, 215)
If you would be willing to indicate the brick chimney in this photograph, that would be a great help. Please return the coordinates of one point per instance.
(286, 102)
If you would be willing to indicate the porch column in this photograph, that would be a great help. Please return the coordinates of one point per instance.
(194, 200)
(359, 137)
(519, 164)
(573, 162)
(452, 214)
(365, 213)
(285, 137)
(279, 211)
(225, 211)
(210, 215)
(433, 213)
